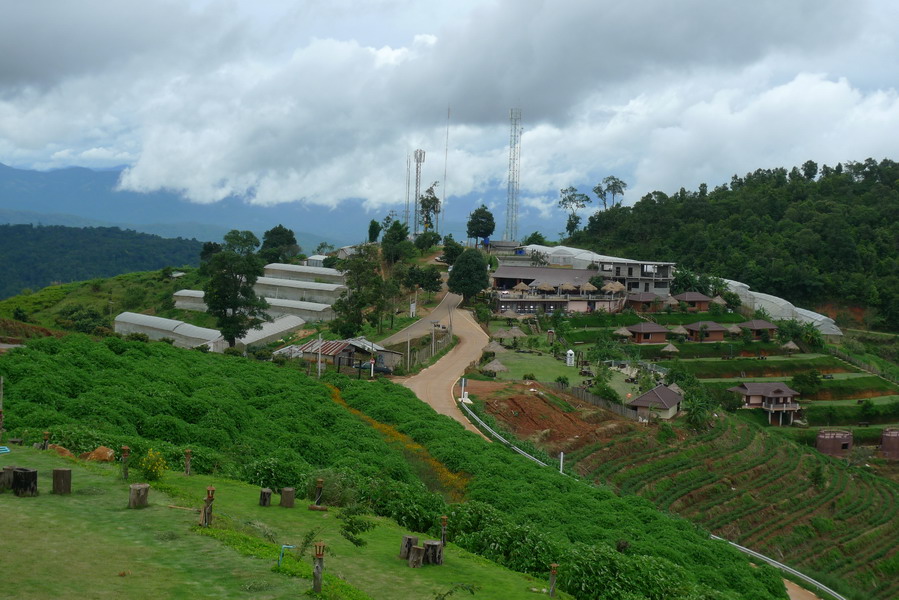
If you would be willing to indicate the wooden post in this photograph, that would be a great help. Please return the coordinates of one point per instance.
(443, 520)
(416, 555)
(24, 482)
(288, 495)
(187, 455)
(6, 477)
(139, 496)
(433, 552)
(126, 453)
(62, 481)
(319, 486)
(265, 497)
(46, 443)
(406, 546)
(318, 567)
(206, 512)
(553, 569)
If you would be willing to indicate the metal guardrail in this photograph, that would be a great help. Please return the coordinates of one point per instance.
(820, 586)
(817, 584)
(499, 438)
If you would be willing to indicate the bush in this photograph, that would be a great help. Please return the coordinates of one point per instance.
(529, 376)
(137, 337)
(152, 465)
(233, 352)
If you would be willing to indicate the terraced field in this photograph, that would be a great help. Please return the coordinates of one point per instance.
(762, 491)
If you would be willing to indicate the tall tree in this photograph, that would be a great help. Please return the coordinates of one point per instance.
(614, 187)
(229, 293)
(451, 249)
(572, 201)
(480, 223)
(279, 244)
(429, 205)
(395, 244)
(364, 291)
(374, 230)
(601, 195)
(469, 275)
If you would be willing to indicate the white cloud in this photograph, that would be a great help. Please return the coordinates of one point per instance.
(318, 102)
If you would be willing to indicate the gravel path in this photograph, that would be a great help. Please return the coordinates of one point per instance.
(434, 385)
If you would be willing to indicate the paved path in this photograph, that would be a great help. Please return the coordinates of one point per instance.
(434, 385)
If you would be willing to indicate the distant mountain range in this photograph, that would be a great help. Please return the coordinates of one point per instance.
(79, 197)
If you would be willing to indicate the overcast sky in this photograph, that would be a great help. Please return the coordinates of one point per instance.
(322, 100)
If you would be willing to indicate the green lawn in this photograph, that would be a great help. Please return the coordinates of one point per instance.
(77, 546)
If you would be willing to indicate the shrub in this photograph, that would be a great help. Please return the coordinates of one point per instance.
(152, 465)
(529, 376)
(137, 337)
(233, 352)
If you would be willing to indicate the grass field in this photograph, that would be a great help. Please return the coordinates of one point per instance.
(89, 545)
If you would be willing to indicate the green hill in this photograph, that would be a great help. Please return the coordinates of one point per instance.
(379, 447)
(100, 549)
(808, 236)
(753, 486)
(35, 257)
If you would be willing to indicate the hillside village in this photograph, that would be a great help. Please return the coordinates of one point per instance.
(611, 364)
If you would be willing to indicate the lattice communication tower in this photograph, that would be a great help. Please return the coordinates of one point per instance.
(419, 158)
(511, 232)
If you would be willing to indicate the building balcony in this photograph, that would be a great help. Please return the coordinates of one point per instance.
(780, 406)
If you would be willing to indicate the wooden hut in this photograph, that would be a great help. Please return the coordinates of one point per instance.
(889, 443)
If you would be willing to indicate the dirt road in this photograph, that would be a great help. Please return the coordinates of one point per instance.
(434, 385)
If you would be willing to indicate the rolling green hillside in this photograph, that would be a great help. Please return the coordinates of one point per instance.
(751, 485)
(381, 447)
(35, 257)
(806, 235)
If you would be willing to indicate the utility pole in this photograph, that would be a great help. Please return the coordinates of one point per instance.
(319, 356)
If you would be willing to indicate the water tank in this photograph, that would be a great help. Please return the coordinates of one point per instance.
(889, 443)
(834, 442)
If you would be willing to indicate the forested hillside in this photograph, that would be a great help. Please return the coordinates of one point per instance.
(809, 236)
(377, 445)
(36, 256)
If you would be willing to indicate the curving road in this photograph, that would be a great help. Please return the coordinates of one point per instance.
(434, 385)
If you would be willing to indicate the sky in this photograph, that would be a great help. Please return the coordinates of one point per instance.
(317, 102)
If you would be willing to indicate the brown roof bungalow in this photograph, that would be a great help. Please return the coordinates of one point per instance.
(660, 401)
(644, 302)
(757, 326)
(695, 301)
(648, 333)
(775, 398)
(706, 331)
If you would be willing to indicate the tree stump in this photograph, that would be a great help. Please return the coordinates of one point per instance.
(62, 481)
(265, 497)
(416, 554)
(6, 478)
(24, 482)
(288, 496)
(433, 552)
(408, 542)
(139, 496)
(16, 441)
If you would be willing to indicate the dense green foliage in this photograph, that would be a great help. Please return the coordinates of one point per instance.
(525, 516)
(275, 427)
(35, 257)
(759, 489)
(805, 236)
(469, 275)
(247, 419)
